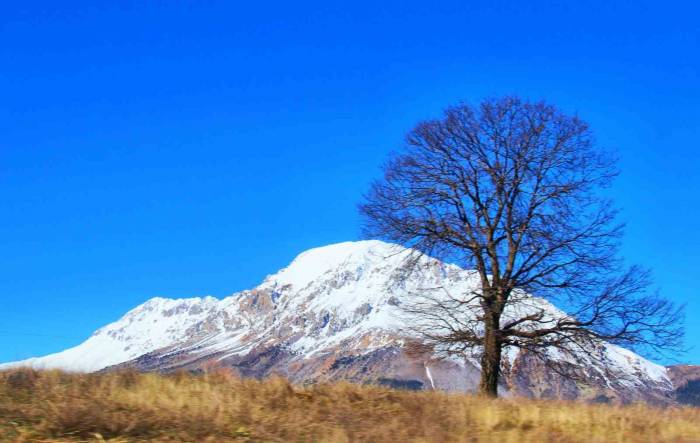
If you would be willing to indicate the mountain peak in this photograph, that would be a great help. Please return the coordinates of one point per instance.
(313, 263)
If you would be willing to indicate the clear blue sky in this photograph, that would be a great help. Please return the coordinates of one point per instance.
(191, 149)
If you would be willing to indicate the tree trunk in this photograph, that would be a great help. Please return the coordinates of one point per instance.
(491, 359)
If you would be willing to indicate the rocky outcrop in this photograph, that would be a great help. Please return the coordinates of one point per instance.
(686, 383)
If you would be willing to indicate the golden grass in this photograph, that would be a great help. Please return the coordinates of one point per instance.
(219, 407)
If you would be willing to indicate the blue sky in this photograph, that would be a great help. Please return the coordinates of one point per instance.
(191, 149)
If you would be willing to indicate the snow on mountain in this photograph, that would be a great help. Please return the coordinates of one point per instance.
(157, 323)
(332, 313)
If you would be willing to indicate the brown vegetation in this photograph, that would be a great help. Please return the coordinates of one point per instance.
(219, 407)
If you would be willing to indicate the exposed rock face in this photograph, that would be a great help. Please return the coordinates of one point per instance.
(335, 313)
(686, 382)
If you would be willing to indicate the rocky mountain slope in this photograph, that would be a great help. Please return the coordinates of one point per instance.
(686, 383)
(334, 313)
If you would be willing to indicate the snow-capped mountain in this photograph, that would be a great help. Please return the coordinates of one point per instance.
(334, 313)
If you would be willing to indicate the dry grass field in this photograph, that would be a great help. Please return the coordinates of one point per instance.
(219, 407)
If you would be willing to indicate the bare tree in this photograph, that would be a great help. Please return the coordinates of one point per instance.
(513, 190)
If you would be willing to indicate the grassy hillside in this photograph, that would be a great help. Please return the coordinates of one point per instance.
(218, 407)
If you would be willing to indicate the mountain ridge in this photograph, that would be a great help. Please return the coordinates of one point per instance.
(334, 313)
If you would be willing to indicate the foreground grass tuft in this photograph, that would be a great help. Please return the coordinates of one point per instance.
(218, 407)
